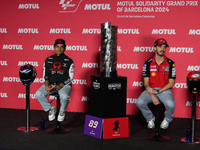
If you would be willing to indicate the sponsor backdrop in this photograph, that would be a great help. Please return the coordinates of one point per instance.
(28, 30)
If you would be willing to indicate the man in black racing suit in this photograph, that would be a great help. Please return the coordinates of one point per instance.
(58, 75)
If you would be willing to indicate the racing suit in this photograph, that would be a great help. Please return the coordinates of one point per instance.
(57, 69)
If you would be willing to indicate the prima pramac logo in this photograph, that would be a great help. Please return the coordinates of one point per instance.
(69, 6)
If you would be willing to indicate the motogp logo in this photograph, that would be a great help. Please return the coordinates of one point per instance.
(69, 6)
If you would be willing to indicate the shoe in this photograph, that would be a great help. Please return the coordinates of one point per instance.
(61, 116)
(164, 124)
(52, 113)
(151, 123)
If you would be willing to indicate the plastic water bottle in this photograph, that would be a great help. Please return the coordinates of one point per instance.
(42, 124)
(189, 135)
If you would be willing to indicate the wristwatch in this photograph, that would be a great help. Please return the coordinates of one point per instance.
(158, 91)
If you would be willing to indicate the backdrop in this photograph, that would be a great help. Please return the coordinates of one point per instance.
(28, 30)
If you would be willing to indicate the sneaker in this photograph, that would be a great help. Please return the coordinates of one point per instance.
(52, 113)
(61, 116)
(151, 124)
(164, 124)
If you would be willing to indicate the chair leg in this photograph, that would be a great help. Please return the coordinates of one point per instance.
(58, 129)
(157, 136)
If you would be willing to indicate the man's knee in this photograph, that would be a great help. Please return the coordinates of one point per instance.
(64, 97)
(139, 103)
(38, 94)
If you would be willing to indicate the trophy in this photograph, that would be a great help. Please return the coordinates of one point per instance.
(108, 57)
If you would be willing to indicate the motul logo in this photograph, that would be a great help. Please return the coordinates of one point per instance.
(33, 63)
(194, 32)
(3, 95)
(21, 95)
(60, 31)
(28, 30)
(3, 30)
(13, 47)
(163, 31)
(143, 49)
(131, 100)
(28, 6)
(193, 68)
(3, 63)
(97, 7)
(181, 50)
(79, 81)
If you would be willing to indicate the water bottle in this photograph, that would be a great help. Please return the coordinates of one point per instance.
(189, 135)
(42, 124)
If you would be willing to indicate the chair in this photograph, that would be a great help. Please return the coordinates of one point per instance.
(58, 129)
(157, 136)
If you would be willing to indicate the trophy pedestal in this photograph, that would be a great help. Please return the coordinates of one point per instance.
(108, 97)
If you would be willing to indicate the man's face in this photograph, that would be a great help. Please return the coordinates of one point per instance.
(160, 50)
(59, 49)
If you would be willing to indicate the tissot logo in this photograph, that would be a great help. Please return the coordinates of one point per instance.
(69, 6)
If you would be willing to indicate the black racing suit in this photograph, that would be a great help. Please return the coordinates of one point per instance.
(59, 69)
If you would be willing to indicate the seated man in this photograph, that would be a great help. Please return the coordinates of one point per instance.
(159, 75)
(59, 74)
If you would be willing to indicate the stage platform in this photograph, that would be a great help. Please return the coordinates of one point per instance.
(12, 139)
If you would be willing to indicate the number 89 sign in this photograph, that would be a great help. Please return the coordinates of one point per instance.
(93, 126)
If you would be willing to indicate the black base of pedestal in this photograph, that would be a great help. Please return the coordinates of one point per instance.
(108, 97)
(157, 137)
(58, 130)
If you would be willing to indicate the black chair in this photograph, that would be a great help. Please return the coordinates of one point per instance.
(157, 136)
(58, 129)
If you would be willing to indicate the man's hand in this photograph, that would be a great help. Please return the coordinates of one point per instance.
(49, 88)
(151, 90)
(154, 99)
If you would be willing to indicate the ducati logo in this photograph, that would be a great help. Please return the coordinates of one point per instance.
(69, 6)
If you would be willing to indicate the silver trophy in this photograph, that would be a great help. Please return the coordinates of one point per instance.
(108, 57)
